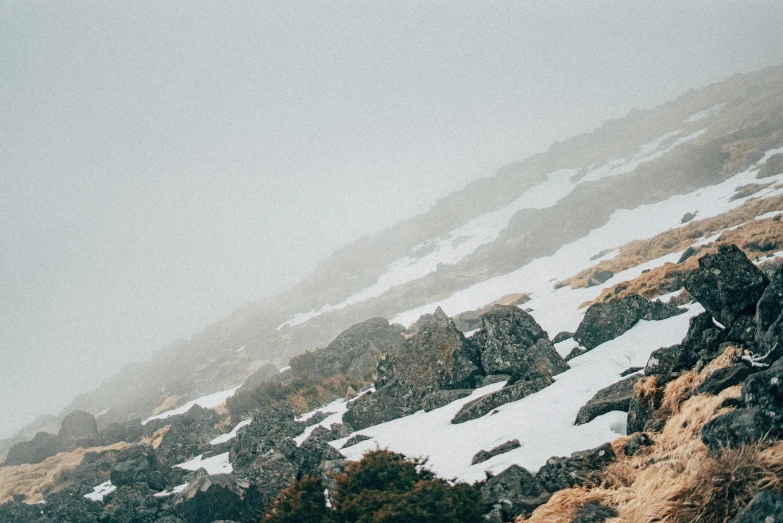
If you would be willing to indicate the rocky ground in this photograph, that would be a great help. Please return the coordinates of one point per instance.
(694, 407)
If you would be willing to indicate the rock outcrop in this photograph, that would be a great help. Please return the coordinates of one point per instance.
(485, 404)
(765, 507)
(42, 446)
(581, 468)
(218, 497)
(617, 396)
(483, 455)
(78, 425)
(513, 492)
(138, 464)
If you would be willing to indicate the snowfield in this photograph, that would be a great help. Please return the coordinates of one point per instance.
(542, 422)
(485, 229)
(208, 401)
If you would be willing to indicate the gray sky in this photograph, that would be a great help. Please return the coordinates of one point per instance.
(164, 163)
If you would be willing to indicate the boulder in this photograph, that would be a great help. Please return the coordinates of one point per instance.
(270, 474)
(606, 321)
(483, 455)
(113, 433)
(773, 166)
(599, 277)
(614, 397)
(189, 435)
(354, 352)
(138, 464)
(441, 398)
(581, 468)
(765, 507)
(511, 342)
(724, 378)
(770, 305)
(216, 497)
(426, 320)
(385, 404)
(42, 446)
(485, 404)
(636, 443)
(630, 370)
(78, 425)
(594, 512)
(135, 503)
(314, 451)
(562, 336)
(645, 401)
(261, 375)
(436, 357)
(727, 284)
(740, 427)
(513, 492)
(353, 440)
(765, 391)
(270, 429)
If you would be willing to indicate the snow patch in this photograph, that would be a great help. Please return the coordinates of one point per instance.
(175, 490)
(231, 435)
(213, 465)
(207, 402)
(98, 493)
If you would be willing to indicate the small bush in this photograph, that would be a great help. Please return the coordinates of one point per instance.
(302, 502)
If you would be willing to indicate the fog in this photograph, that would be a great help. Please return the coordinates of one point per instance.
(163, 164)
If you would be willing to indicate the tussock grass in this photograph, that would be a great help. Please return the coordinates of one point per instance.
(676, 480)
(30, 479)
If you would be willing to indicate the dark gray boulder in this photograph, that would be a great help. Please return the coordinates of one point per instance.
(740, 427)
(773, 166)
(513, 492)
(614, 397)
(266, 373)
(441, 398)
(112, 433)
(724, 378)
(218, 497)
(314, 451)
(353, 440)
(511, 342)
(770, 305)
(78, 425)
(581, 468)
(354, 352)
(271, 429)
(270, 474)
(189, 435)
(485, 404)
(42, 446)
(138, 464)
(727, 284)
(562, 336)
(389, 402)
(607, 321)
(594, 512)
(645, 401)
(764, 390)
(483, 455)
(765, 507)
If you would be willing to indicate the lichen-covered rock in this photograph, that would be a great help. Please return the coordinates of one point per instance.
(353, 440)
(216, 497)
(354, 352)
(773, 166)
(189, 435)
(636, 443)
(513, 492)
(389, 402)
(78, 425)
(270, 429)
(112, 433)
(765, 507)
(483, 455)
(42, 446)
(441, 398)
(724, 378)
(645, 401)
(614, 397)
(764, 390)
(437, 357)
(594, 512)
(511, 342)
(606, 321)
(138, 464)
(270, 474)
(727, 284)
(485, 404)
(740, 427)
(770, 306)
(581, 468)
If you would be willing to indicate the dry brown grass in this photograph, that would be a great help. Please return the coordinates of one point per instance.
(157, 437)
(640, 251)
(30, 479)
(675, 480)
(756, 238)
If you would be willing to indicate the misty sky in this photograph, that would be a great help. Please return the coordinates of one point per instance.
(163, 163)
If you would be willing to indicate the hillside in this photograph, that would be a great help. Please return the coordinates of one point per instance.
(490, 229)
(583, 337)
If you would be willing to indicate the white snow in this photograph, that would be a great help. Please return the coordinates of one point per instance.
(542, 422)
(214, 465)
(243, 347)
(704, 114)
(208, 401)
(175, 490)
(233, 434)
(770, 214)
(284, 369)
(337, 407)
(100, 491)
(101, 413)
(486, 228)
(470, 333)
(553, 309)
(564, 348)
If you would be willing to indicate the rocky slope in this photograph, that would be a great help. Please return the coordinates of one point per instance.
(616, 300)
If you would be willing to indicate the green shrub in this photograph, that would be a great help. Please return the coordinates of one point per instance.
(302, 502)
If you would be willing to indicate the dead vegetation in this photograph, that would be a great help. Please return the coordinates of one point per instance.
(676, 480)
(756, 238)
(29, 480)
